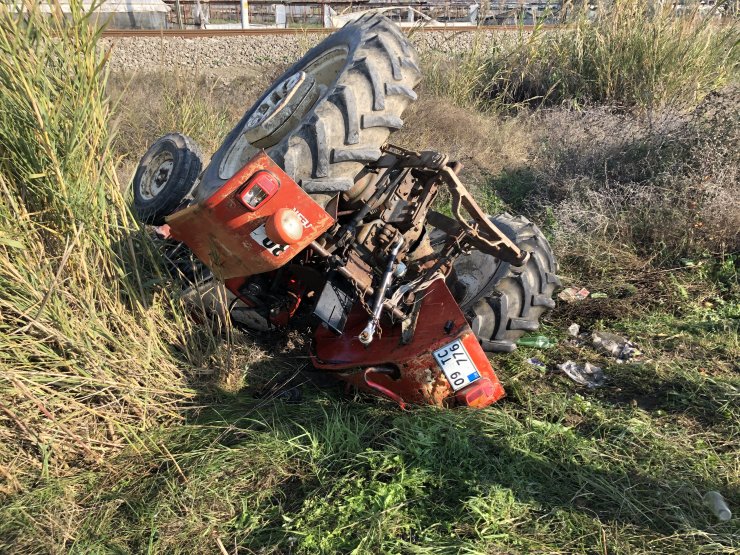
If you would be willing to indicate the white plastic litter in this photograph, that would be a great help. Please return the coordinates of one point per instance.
(715, 501)
(614, 345)
(583, 374)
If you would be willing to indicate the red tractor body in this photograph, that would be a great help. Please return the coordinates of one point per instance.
(440, 363)
(312, 220)
(228, 230)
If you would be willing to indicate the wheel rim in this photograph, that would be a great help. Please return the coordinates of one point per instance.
(279, 98)
(156, 177)
(323, 70)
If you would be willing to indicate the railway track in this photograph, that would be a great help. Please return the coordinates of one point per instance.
(215, 33)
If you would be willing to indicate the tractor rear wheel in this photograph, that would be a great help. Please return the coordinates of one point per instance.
(503, 302)
(327, 116)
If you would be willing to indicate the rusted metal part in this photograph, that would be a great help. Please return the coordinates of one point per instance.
(224, 233)
(419, 379)
(360, 272)
(405, 158)
(408, 326)
(359, 283)
(398, 202)
(427, 196)
(482, 234)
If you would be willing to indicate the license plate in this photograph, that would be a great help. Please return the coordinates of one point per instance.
(456, 365)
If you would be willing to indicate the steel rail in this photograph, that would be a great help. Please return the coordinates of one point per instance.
(215, 33)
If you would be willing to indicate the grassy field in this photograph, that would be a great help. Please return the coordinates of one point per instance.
(126, 427)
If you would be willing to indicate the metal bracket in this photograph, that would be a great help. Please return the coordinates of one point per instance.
(482, 233)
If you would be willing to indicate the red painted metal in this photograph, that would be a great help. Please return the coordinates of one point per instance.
(220, 230)
(227, 232)
(419, 379)
(368, 377)
(479, 394)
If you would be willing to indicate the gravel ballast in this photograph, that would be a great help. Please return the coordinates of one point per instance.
(149, 53)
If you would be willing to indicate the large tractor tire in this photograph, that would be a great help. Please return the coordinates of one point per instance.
(328, 115)
(501, 301)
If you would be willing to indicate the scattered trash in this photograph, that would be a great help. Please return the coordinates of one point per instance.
(584, 374)
(537, 363)
(573, 294)
(539, 341)
(614, 345)
(599, 296)
(715, 501)
(574, 330)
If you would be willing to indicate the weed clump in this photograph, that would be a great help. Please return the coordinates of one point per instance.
(630, 117)
(634, 54)
(85, 362)
(663, 185)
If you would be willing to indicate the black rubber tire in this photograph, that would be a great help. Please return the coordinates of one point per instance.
(511, 300)
(187, 163)
(351, 119)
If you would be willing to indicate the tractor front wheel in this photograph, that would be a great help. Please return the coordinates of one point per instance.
(165, 176)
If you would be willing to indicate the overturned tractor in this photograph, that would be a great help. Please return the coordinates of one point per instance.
(313, 220)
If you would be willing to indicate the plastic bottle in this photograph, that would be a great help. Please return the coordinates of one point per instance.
(715, 501)
(539, 341)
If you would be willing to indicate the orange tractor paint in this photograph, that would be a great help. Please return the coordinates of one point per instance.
(314, 221)
(227, 232)
(230, 236)
(408, 372)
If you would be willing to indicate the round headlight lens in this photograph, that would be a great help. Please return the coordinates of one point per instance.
(284, 227)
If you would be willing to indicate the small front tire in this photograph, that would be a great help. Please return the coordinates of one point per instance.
(165, 176)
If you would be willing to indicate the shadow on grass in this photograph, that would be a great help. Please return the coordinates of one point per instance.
(709, 401)
(334, 473)
(370, 460)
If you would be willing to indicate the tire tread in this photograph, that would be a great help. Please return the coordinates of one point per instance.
(518, 297)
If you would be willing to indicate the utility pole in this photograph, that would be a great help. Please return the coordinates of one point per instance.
(179, 15)
(245, 14)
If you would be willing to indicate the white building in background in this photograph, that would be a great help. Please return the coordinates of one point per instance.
(124, 14)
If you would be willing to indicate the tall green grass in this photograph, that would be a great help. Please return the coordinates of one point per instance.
(632, 54)
(86, 337)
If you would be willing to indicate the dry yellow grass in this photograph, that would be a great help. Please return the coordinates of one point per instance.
(93, 349)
